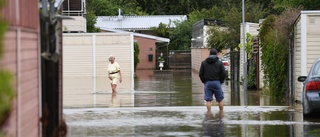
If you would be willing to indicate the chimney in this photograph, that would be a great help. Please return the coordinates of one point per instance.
(119, 15)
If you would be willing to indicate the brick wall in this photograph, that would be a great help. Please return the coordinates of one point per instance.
(146, 46)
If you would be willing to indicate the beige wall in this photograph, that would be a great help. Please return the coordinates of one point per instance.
(78, 23)
(297, 59)
(86, 54)
(313, 40)
(306, 46)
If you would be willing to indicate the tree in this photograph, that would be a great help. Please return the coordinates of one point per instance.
(91, 21)
(230, 14)
(162, 30)
(274, 35)
(136, 55)
(305, 4)
(218, 37)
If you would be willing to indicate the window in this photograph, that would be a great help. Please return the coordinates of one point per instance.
(316, 69)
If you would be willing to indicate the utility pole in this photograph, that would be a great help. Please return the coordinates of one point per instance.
(244, 50)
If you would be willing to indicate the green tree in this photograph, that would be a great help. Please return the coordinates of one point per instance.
(91, 21)
(218, 37)
(111, 7)
(162, 30)
(230, 15)
(274, 35)
(180, 38)
(304, 4)
(136, 55)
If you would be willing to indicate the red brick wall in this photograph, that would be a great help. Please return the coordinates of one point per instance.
(24, 118)
(146, 46)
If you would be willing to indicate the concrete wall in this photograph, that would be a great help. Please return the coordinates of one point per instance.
(21, 58)
(86, 55)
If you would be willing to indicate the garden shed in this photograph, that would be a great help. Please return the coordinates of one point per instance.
(306, 46)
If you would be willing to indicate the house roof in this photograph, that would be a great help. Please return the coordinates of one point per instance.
(158, 39)
(137, 22)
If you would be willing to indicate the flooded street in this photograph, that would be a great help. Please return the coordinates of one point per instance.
(171, 104)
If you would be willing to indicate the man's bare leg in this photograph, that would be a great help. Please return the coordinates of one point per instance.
(221, 105)
(208, 104)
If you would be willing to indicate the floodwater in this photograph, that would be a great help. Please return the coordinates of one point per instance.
(170, 103)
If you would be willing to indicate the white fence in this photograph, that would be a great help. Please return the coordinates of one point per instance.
(86, 55)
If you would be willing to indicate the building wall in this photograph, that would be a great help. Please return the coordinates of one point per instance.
(21, 50)
(197, 56)
(146, 47)
(86, 55)
(313, 40)
(306, 48)
(297, 59)
(78, 23)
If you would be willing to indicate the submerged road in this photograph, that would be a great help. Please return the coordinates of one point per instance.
(189, 121)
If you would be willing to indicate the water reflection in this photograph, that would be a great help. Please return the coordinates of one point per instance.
(84, 92)
(213, 125)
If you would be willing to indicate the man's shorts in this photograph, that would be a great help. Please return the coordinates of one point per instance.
(213, 87)
(115, 79)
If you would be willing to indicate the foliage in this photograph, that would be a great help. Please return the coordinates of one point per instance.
(111, 7)
(160, 58)
(180, 38)
(162, 30)
(6, 91)
(248, 47)
(218, 37)
(229, 14)
(175, 7)
(6, 94)
(305, 4)
(274, 43)
(252, 75)
(91, 21)
(136, 55)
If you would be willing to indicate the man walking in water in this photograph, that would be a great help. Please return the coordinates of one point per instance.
(212, 74)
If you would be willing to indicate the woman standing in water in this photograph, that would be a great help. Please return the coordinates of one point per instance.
(114, 73)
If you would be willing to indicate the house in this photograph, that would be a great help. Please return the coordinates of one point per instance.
(147, 47)
(38, 96)
(139, 24)
(306, 47)
(143, 34)
(75, 9)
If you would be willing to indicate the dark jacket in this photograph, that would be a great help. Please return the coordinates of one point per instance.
(212, 69)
